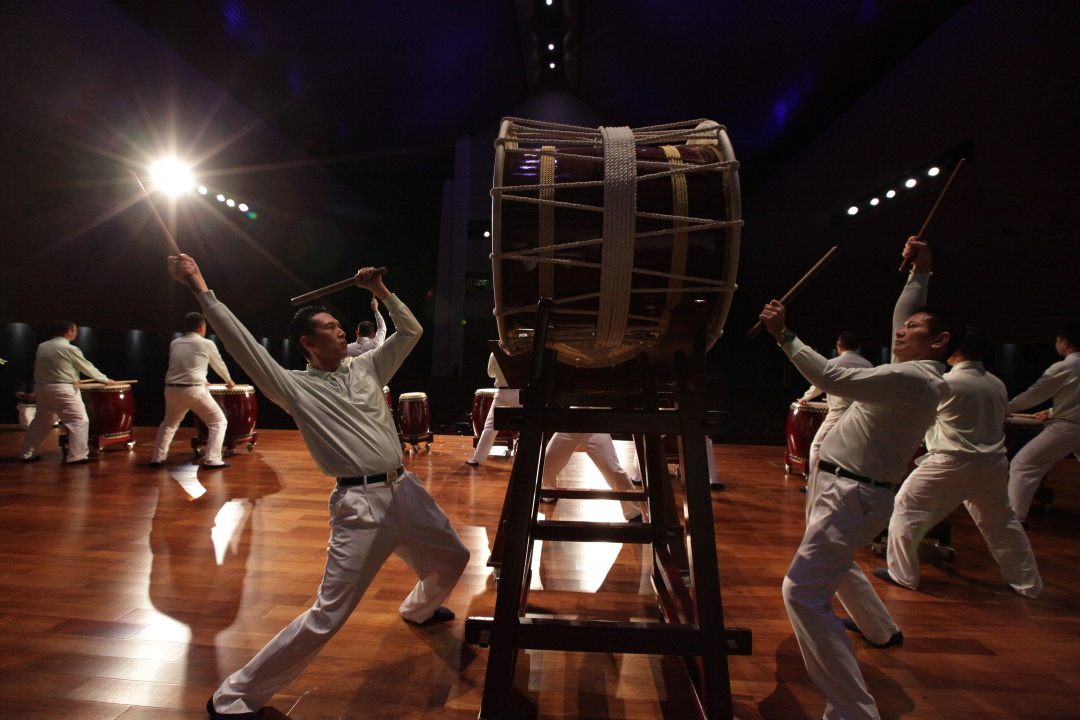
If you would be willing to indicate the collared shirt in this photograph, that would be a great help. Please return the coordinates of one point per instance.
(361, 346)
(494, 371)
(342, 415)
(972, 419)
(58, 361)
(1061, 381)
(848, 359)
(189, 356)
(893, 404)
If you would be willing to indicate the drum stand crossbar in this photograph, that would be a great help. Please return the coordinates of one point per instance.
(686, 582)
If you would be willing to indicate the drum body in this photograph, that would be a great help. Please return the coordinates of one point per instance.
(481, 405)
(414, 419)
(803, 422)
(241, 408)
(1019, 431)
(111, 409)
(616, 271)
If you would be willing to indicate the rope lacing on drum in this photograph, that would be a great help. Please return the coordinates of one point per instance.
(617, 257)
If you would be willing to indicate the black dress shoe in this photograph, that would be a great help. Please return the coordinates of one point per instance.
(884, 574)
(84, 461)
(442, 614)
(219, 466)
(215, 715)
(636, 519)
(896, 639)
(472, 462)
(30, 459)
(155, 464)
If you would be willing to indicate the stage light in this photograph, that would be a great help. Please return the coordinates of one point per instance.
(874, 201)
(551, 46)
(891, 194)
(487, 233)
(853, 210)
(909, 183)
(202, 190)
(549, 3)
(230, 202)
(933, 172)
(220, 198)
(551, 65)
(171, 176)
(242, 207)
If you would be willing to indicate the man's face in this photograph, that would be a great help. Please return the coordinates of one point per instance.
(326, 341)
(1062, 346)
(916, 341)
(72, 333)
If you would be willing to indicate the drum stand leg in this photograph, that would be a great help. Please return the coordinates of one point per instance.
(692, 614)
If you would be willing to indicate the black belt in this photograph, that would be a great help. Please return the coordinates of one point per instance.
(369, 479)
(181, 385)
(842, 473)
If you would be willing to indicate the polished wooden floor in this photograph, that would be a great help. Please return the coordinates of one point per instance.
(129, 593)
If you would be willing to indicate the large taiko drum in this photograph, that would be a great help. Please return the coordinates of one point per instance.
(618, 227)
(241, 410)
(803, 421)
(111, 410)
(414, 420)
(481, 405)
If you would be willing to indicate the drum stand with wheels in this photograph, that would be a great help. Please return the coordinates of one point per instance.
(691, 625)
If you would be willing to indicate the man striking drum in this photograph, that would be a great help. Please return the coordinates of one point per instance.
(505, 396)
(863, 456)
(185, 389)
(377, 508)
(57, 365)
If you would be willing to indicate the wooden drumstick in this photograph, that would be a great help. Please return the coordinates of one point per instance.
(174, 249)
(797, 287)
(339, 285)
(944, 191)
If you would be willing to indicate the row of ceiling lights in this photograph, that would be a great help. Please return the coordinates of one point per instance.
(889, 194)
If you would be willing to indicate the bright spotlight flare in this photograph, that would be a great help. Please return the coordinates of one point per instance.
(171, 176)
(340, 285)
(174, 249)
(944, 191)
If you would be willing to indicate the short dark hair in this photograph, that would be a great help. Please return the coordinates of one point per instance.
(976, 345)
(60, 327)
(849, 339)
(192, 321)
(365, 328)
(303, 323)
(941, 321)
(1070, 333)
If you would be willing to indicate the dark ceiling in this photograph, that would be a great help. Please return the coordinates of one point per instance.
(374, 84)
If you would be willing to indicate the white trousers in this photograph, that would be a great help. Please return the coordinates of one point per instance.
(601, 450)
(197, 399)
(61, 400)
(504, 397)
(367, 525)
(934, 489)
(1056, 441)
(846, 515)
(831, 418)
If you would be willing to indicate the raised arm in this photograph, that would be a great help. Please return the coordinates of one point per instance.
(380, 324)
(274, 380)
(913, 296)
(387, 358)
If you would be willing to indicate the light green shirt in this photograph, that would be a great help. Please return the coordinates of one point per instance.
(1061, 381)
(58, 361)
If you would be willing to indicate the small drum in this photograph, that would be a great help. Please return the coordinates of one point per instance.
(26, 407)
(481, 405)
(414, 420)
(1019, 431)
(241, 410)
(803, 422)
(111, 410)
(389, 398)
(618, 227)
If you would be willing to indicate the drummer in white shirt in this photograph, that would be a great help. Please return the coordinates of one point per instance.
(377, 507)
(57, 366)
(368, 336)
(965, 463)
(847, 356)
(861, 458)
(185, 389)
(505, 396)
(1061, 436)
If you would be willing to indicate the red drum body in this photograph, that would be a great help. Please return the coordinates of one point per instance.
(111, 409)
(414, 420)
(481, 404)
(803, 422)
(616, 271)
(241, 410)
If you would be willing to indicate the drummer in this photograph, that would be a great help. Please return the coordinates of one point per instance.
(57, 366)
(185, 389)
(1061, 436)
(504, 397)
(368, 336)
(847, 356)
(601, 450)
(861, 458)
(376, 509)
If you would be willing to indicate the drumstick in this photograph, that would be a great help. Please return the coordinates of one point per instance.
(797, 287)
(944, 191)
(114, 382)
(174, 249)
(339, 285)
